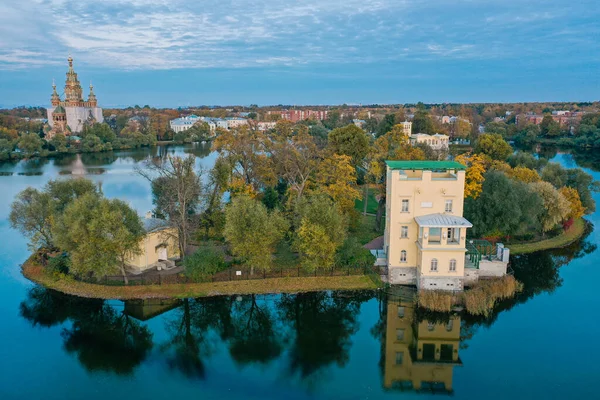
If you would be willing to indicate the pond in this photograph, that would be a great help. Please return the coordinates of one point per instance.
(342, 345)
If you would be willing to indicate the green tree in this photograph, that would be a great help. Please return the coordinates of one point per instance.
(555, 206)
(98, 234)
(576, 178)
(422, 123)
(91, 143)
(549, 127)
(101, 131)
(493, 146)
(6, 149)
(505, 207)
(32, 214)
(528, 135)
(59, 142)
(351, 141)
(253, 232)
(30, 144)
(321, 229)
(386, 125)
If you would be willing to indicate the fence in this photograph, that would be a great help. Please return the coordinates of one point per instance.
(237, 273)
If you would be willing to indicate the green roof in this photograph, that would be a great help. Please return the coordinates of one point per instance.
(427, 165)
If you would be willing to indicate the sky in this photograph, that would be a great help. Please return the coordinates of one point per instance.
(170, 53)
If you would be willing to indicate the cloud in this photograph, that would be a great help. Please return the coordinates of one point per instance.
(169, 34)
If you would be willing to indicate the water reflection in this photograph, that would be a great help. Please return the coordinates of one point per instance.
(420, 354)
(301, 336)
(101, 338)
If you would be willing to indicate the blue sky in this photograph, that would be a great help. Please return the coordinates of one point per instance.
(169, 53)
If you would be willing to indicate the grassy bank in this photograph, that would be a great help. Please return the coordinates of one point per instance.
(478, 300)
(564, 239)
(68, 285)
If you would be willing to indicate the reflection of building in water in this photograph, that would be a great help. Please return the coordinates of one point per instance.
(149, 308)
(419, 355)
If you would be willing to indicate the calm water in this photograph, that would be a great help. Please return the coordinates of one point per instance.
(347, 345)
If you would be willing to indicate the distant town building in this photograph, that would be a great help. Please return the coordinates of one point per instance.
(69, 116)
(436, 142)
(564, 118)
(183, 123)
(265, 125)
(359, 122)
(299, 115)
(406, 127)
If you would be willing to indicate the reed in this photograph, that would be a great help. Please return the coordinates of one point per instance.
(436, 300)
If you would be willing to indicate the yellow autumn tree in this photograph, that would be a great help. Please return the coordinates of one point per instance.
(576, 209)
(337, 177)
(525, 174)
(501, 166)
(475, 164)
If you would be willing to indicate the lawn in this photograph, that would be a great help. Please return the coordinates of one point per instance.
(371, 203)
(365, 231)
(564, 239)
(70, 286)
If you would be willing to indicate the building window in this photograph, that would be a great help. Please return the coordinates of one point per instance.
(450, 325)
(435, 235)
(400, 311)
(399, 357)
(399, 334)
(434, 264)
(430, 326)
(420, 233)
(452, 265)
(404, 205)
(403, 256)
(448, 206)
(404, 232)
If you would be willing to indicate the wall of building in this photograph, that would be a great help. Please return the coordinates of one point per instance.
(426, 193)
(149, 247)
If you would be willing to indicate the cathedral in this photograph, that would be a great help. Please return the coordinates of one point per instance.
(69, 116)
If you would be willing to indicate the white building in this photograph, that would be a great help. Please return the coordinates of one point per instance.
(69, 116)
(183, 123)
(436, 142)
(406, 127)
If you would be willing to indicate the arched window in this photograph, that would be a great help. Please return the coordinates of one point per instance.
(452, 265)
(403, 256)
(434, 264)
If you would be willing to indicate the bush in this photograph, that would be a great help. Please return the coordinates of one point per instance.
(59, 264)
(353, 254)
(205, 262)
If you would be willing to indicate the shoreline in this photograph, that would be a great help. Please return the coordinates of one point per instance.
(566, 238)
(70, 286)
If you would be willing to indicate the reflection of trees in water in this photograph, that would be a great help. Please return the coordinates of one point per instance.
(190, 331)
(314, 328)
(321, 324)
(256, 336)
(200, 150)
(102, 338)
(586, 159)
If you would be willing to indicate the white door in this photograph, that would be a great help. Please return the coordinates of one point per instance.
(162, 253)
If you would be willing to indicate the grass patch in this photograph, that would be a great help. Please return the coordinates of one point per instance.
(563, 239)
(372, 202)
(364, 231)
(68, 285)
